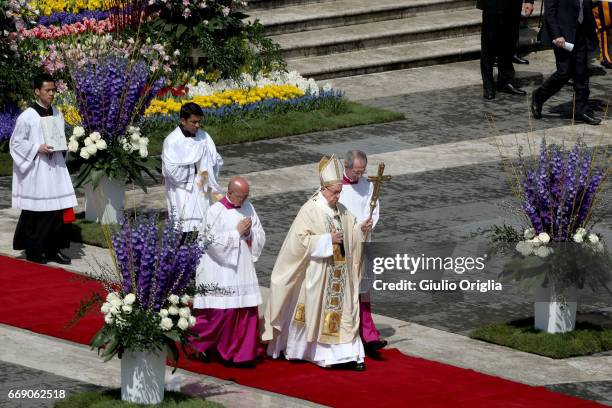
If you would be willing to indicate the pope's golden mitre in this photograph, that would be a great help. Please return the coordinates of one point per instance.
(330, 171)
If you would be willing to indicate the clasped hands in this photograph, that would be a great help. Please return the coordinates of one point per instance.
(244, 226)
(366, 227)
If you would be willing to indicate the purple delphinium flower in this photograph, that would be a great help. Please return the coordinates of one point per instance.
(8, 118)
(122, 246)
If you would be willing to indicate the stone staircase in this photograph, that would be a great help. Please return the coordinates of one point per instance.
(337, 38)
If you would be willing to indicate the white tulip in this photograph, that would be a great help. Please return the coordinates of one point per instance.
(127, 309)
(192, 321)
(166, 323)
(184, 312)
(529, 233)
(106, 307)
(73, 146)
(91, 149)
(78, 131)
(593, 239)
(183, 323)
(88, 141)
(95, 136)
(84, 153)
(129, 299)
(173, 310)
(101, 144)
(544, 238)
(163, 313)
(185, 299)
(108, 319)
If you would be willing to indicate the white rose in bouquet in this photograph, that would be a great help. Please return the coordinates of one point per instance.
(192, 321)
(115, 310)
(581, 231)
(163, 312)
(106, 307)
(127, 309)
(101, 144)
(95, 136)
(185, 299)
(174, 299)
(593, 239)
(543, 251)
(166, 323)
(579, 238)
(529, 233)
(135, 138)
(183, 323)
(73, 146)
(84, 153)
(544, 238)
(173, 310)
(129, 299)
(111, 296)
(108, 319)
(88, 141)
(143, 142)
(525, 248)
(78, 131)
(599, 247)
(92, 149)
(184, 312)
(143, 152)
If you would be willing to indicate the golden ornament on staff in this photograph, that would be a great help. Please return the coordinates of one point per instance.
(377, 181)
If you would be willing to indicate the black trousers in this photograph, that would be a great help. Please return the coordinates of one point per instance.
(572, 65)
(41, 233)
(498, 38)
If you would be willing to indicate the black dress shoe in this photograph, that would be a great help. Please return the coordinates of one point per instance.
(372, 347)
(39, 259)
(61, 258)
(511, 89)
(536, 107)
(606, 65)
(360, 367)
(519, 60)
(588, 119)
(488, 94)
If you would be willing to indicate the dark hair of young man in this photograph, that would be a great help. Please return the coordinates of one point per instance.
(189, 109)
(39, 79)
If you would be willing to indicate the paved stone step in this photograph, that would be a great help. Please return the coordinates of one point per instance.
(347, 12)
(397, 56)
(272, 4)
(433, 26)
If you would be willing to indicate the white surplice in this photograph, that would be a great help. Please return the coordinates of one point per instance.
(302, 278)
(228, 264)
(41, 182)
(357, 197)
(188, 193)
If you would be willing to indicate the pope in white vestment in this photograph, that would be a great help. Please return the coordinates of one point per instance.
(227, 311)
(313, 309)
(190, 168)
(42, 187)
(356, 197)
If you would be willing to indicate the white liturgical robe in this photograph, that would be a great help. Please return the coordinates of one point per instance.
(313, 310)
(41, 182)
(190, 166)
(356, 198)
(228, 263)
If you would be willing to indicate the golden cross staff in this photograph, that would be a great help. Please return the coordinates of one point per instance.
(377, 181)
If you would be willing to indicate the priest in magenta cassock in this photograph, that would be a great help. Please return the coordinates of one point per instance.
(227, 312)
(190, 166)
(42, 188)
(356, 196)
(313, 310)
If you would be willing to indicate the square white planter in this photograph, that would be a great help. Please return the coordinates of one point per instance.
(105, 203)
(143, 376)
(558, 314)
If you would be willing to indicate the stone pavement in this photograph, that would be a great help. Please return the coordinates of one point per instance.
(448, 183)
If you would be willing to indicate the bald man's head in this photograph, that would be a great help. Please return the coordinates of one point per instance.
(238, 190)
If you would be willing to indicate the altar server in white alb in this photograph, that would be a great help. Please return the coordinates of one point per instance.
(227, 313)
(190, 168)
(42, 188)
(356, 196)
(313, 308)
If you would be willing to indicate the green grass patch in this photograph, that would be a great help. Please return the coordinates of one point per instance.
(586, 339)
(270, 127)
(89, 232)
(112, 399)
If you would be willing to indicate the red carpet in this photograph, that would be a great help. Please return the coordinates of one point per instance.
(43, 299)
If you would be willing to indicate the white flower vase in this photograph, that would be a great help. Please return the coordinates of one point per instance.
(105, 203)
(555, 312)
(143, 376)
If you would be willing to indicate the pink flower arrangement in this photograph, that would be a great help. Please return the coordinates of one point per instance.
(41, 32)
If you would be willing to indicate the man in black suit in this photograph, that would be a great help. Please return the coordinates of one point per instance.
(568, 22)
(499, 35)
